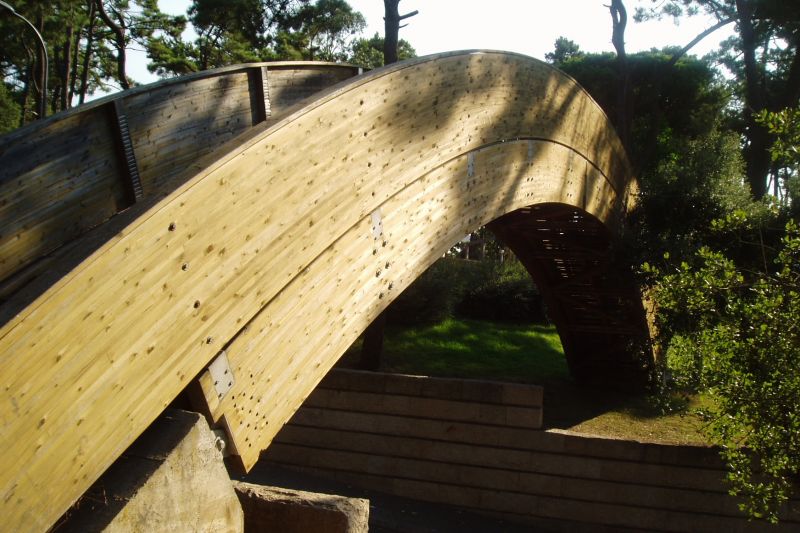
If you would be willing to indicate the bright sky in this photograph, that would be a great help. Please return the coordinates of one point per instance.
(526, 26)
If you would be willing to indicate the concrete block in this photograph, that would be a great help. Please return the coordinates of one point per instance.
(172, 478)
(289, 511)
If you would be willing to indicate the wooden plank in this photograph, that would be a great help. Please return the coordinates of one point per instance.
(465, 411)
(486, 456)
(400, 480)
(430, 214)
(472, 390)
(698, 459)
(379, 460)
(239, 256)
(65, 167)
(61, 176)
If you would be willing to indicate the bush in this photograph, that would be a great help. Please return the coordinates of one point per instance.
(505, 293)
(480, 290)
(433, 296)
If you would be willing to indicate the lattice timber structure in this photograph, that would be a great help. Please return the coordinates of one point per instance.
(206, 234)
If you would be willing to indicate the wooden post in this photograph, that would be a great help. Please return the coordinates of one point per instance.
(259, 94)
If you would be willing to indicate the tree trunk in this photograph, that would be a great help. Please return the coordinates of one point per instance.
(392, 19)
(391, 24)
(757, 157)
(55, 97)
(73, 75)
(619, 18)
(66, 67)
(87, 54)
(119, 43)
(26, 92)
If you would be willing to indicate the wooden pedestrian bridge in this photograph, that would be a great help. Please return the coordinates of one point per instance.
(229, 234)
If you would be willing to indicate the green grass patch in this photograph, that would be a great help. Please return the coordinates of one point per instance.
(533, 354)
(477, 350)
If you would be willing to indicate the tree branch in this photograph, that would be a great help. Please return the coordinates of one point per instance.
(700, 36)
(409, 15)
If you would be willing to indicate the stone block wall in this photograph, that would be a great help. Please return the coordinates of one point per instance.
(387, 433)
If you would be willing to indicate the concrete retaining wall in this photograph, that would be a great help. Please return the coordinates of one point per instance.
(381, 432)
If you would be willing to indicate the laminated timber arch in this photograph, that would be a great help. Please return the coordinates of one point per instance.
(284, 247)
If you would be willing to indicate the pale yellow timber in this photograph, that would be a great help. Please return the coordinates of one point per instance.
(273, 251)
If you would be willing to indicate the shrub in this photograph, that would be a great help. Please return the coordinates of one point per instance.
(433, 296)
(505, 292)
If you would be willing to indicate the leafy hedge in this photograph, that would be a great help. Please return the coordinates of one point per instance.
(481, 290)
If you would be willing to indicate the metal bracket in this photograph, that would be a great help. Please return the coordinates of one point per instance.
(471, 164)
(127, 157)
(221, 374)
(377, 224)
(530, 151)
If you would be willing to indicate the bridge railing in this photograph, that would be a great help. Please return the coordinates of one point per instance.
(64, 175)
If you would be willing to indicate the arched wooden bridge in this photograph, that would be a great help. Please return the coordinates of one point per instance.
(207, 234)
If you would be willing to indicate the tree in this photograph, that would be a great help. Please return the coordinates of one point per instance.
(736, 334)
(368, 53)
(126, 25)
(728, 319)
(9, 110)
(86, 48)
(240, 31)
(785, 125)
(619, 21)
(667, 101)
(563, 50)
(764, 58)
(228, 32)
(325, 28)
(392, 19)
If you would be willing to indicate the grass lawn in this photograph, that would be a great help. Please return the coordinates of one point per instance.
(533, 354)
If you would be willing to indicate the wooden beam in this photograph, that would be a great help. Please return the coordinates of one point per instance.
(268, 251)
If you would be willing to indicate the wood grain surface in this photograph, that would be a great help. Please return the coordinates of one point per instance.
(272, 253)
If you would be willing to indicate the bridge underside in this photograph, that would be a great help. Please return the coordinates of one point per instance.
(590, 296)
(208, 238)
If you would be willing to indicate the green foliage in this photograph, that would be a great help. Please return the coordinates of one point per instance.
(785, 126)
(434, 295)
(9, 110)
(324, 29)
(668, 101)
(763, 59)
(736, 334)
(505, 292)
(691, 182)
(483, 290)
(368, 53)
(563, 50)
